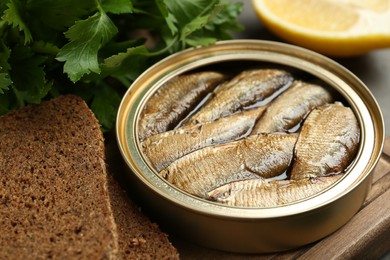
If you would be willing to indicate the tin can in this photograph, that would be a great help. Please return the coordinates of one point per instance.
(251, 230)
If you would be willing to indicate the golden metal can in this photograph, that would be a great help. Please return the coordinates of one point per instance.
(251, 230)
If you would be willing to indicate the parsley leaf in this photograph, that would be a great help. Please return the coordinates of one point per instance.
(105, 103)
(28, 75)
(86, 38)
(13, 15)
(117, 65)
(5, 82)
(185, 11)
(118, 6)
(57, 15)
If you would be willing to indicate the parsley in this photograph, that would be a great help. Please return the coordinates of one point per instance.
(96, 48)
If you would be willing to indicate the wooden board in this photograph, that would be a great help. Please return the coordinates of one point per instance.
(365, 236)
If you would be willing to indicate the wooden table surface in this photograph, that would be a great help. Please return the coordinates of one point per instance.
(365, 236)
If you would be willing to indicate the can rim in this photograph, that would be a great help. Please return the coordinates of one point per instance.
(354, 91)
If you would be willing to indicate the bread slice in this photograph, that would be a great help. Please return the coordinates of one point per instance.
(139, 238)
(54, 200)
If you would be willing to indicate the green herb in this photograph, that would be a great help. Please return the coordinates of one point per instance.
(96, 48)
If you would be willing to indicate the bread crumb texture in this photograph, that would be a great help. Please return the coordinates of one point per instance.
(54, 200)
(138, 237)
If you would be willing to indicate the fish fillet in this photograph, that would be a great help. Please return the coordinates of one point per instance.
(264, 155)
(327, 143)
(291, 107)
(174, 100)
(263, 193)
(247, 88)
(164, 148)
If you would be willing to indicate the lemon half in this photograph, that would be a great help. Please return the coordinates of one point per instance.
(331, 27)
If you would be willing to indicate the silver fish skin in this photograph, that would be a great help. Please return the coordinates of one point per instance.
(247, 88)
(174, 100)
(265, 155)
(164, 148)
(291, 107)
(262, 193)
(327, 143)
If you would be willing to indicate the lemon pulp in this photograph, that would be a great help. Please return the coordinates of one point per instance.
(332, 27)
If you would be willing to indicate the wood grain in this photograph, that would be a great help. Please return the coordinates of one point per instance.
(365, 236)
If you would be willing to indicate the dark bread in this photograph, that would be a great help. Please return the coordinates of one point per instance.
(53, 197)
(138, 237)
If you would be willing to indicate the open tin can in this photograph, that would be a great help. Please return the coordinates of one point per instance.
(240, 229)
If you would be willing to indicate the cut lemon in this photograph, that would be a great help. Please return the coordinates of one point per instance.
(331, 27)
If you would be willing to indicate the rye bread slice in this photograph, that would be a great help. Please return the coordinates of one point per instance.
(54, 200)
(138, 237)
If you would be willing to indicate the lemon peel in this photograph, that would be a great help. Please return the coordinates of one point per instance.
(331, 27)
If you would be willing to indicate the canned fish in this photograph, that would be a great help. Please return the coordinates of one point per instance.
(221, 97)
